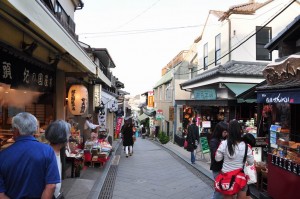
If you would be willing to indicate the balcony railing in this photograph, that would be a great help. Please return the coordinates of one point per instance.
(61, 16)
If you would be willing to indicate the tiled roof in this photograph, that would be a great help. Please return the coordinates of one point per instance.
(217, 13)
(290, 83)
(292, 28)
(245, 8)
(231, 69)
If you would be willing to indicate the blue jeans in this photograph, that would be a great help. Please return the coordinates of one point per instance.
(193, 156)
(216, 195)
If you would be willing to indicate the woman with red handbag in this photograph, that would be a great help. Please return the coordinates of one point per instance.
(234, 154)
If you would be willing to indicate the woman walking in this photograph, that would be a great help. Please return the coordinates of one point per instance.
(192, 139)
(220, 133)
(232, 152)
(128, 137)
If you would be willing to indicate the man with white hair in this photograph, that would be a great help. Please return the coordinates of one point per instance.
(28, 168)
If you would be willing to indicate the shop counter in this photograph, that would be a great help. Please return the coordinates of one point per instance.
(283, 181)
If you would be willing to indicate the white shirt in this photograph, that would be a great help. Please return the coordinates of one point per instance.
(235, 161)
(58, 185)
(89, 125)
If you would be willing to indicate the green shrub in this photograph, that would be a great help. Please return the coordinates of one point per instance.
(163, 138)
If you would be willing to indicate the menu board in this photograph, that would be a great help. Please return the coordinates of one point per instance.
(204, 145)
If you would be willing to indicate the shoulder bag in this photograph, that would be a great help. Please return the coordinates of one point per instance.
(231, 182)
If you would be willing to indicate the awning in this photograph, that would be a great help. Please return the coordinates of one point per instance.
(238, 88)
(291, 96)
(142, 117)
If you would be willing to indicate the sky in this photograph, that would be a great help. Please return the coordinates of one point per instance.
(143, 36)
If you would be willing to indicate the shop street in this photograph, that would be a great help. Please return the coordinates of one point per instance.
(153, 172)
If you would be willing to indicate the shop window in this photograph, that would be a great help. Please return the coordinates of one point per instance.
(218, 49)
(262, 38)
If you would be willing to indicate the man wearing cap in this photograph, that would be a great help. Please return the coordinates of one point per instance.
(88, 127)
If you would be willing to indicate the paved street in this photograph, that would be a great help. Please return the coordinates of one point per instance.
(152, 172)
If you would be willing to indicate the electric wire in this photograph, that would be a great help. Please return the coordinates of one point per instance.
(245, 39)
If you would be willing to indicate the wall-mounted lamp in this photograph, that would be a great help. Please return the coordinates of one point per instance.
(29, 48)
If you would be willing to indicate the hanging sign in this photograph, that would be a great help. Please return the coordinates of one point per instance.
(78, 99)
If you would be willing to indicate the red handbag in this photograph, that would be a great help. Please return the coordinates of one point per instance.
(185, 144)
(230, 183)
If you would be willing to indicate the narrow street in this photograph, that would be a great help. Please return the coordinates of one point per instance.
(153, 172)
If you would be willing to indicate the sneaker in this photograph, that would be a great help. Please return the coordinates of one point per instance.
(126, 156)
(130, 154)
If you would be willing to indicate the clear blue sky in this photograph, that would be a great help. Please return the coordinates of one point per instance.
(142, 36)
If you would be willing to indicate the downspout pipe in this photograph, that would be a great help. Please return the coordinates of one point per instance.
(229, 39)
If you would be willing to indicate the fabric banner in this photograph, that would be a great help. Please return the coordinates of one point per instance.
(118, 126)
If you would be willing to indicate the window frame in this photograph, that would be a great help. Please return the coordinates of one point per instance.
(218, 49)
(205, 56)
(259, 45)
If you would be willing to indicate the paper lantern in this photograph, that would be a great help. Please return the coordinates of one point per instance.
(78, 99)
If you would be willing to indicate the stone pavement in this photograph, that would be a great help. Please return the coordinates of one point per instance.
(152, 172)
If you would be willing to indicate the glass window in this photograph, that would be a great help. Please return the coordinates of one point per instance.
(205, 55)
(262, 38)
(218, 49)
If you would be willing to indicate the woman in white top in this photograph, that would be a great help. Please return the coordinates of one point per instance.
(57, 133)
(232, 151)
(88, 127)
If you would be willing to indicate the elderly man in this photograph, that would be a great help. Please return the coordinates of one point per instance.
(28, 168)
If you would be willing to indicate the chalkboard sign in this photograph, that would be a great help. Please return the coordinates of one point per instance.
(204, 145)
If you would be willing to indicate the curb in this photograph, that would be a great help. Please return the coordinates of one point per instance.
(96, 189)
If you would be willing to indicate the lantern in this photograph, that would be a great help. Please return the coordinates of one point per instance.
(77, 99)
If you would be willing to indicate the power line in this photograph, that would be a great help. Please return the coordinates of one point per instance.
(129, 32)
(137, 16)
(246, 39)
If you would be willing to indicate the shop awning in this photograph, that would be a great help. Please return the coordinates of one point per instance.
(238, 88)
(291, 96)
(142, 117)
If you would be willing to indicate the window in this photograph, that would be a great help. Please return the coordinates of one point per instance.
(262, 38)
(218, 49)
(169, 92)
(160, 93)
(205, 55)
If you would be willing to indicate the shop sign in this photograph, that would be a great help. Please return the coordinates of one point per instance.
(77, 99)
(279, 97)
(118, 126)
(205, 94)
(171, 113)
(22, 74)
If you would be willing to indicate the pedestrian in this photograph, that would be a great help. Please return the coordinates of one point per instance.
(220, 133)
(232, 152)
(249, 139)
(192, 139)
(28, 168)
(128, 137)
(57, 133)
(88, 127)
